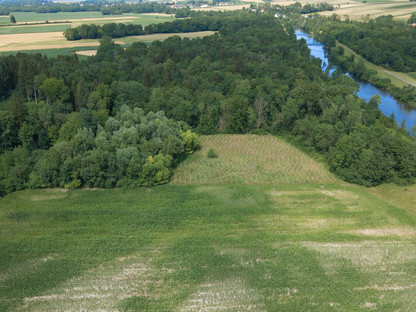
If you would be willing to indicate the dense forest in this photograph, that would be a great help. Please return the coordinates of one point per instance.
(382, 41)
(123, 117)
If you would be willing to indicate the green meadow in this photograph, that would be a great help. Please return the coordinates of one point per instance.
(86, 17)
(33, 29)
(211, 246)
(22, 17)
(53, 53)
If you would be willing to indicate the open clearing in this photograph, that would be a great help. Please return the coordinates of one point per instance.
(358, 10)
(250, 159)
(56, 40)
(50, 36)
(226, 247)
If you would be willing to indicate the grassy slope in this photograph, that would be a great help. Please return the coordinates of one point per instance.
(224, 247)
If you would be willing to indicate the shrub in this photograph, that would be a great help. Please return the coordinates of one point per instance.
(212, 154)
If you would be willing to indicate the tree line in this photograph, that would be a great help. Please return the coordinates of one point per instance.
(106, 8)
(125, 105)
(116, 30)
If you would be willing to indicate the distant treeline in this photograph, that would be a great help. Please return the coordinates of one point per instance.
(118, 30)
(297, 8)
(105, 8)
(71, 123)
(39, 6)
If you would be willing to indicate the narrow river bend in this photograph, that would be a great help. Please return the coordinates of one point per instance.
(388, 105)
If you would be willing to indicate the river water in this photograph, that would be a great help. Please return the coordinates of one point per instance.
(388, 105)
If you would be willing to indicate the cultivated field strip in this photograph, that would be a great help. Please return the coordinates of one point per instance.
(250, 159)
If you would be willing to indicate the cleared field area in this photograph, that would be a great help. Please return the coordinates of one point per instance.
(398, 79)
(231, 247)
(315, 247)
(399, 9)
(87, 52)
(56, 41)
(250, 159)
(47, 40)
(33, 29)
(26, 21)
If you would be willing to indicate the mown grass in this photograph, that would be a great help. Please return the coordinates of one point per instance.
(88, 18)
(33, 29)
(22, 17)
(225, 247)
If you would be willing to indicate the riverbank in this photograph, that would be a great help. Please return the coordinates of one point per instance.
(398, 79)
(385, 80)
(370, 83)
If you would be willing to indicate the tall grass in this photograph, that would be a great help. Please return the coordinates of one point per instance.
(250, 159)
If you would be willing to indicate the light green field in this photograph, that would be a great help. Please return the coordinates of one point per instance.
(23, 17)
(224, 247)
(33, 29)
(53, 53)
(75, 19)
(398, 79)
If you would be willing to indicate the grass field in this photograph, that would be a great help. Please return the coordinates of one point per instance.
(54, 43)
(53, 52)
(374, 8)
(87, 17)
(33, 29)
(250, 159)
(212, 247)
(24, 43)
(50, 36)
(398, 79)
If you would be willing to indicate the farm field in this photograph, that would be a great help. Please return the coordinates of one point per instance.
(50, 36)
(33, 29)
(321, 246)
(372, 9)
(55, 41)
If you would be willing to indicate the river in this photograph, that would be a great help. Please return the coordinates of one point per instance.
(388, 105)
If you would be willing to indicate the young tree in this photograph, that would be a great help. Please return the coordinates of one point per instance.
(12, 19)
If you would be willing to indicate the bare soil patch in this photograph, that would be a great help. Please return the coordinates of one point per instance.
(87, 52)
(397, 231)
